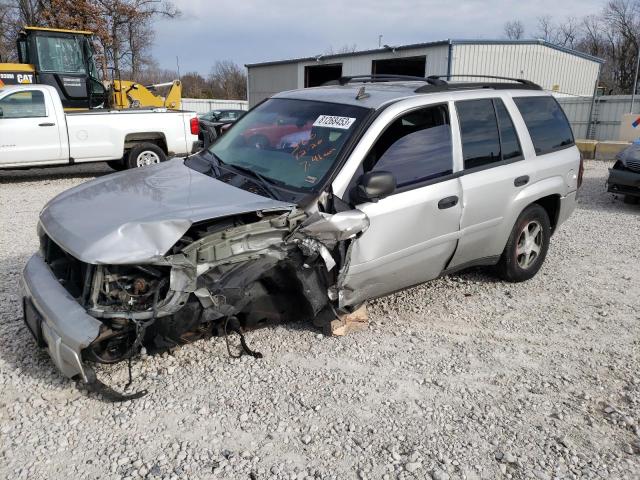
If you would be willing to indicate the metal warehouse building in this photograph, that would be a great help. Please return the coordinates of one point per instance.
(553, 67)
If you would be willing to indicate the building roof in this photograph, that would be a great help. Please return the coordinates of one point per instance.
(414, 46)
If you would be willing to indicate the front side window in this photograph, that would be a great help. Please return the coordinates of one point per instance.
(479, 132)
(547, 124)
(60, 54)
(291, 142)
(415, 147)
(27, 104)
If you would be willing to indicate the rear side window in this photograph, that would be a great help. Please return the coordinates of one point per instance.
(546, 122)
(511, 149)
(479, 132)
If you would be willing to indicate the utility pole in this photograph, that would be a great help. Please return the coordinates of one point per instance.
(635, 82)
(379, 41)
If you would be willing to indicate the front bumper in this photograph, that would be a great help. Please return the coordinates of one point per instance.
(624, 182)
(59, 323)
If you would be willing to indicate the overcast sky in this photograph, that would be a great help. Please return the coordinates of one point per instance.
(249, 31)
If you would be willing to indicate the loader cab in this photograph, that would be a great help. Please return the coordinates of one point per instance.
(65, 60)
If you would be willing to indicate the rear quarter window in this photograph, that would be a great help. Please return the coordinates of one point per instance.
(547, 124)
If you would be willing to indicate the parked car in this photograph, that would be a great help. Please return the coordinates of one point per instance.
(624, 177)
(35, 131)
(211, 123)
(392, 186)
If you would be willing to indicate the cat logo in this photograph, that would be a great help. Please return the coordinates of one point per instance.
(24, 78)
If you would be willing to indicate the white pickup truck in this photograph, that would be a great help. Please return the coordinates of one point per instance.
(36, 131)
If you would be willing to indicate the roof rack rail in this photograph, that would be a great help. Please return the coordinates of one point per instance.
(437, 83)
(495, 77)
(373, 79)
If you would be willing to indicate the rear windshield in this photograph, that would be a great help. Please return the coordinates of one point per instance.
(292, 142)
(546, 122)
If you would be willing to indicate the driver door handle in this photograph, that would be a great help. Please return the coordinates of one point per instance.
(448, 202)
(46, 124)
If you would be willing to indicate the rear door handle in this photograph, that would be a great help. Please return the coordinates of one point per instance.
(46, 124)
(521, 181)
(448, 202)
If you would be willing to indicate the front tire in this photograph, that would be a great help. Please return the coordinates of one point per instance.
(116, 165)
(145, 154)
(527, 246)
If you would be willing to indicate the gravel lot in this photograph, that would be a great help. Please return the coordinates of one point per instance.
(464, 377)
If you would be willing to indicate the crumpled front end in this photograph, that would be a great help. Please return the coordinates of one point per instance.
(223, 275)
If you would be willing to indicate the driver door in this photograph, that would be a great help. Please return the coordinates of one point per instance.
(29, 130)
(414, 231)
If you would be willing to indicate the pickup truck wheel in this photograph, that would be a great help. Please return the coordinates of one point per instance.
(145, 154)
(527, 246)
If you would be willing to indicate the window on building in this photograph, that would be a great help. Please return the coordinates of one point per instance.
(547, 124)
(414, 148)
(412, 66)
(317, 75)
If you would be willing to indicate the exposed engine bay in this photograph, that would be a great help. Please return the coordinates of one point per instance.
(229, 275)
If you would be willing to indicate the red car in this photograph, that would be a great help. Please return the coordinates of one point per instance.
(270, 135)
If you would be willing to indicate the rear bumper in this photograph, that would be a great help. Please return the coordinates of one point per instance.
(567, 206)
(624, 182)
(59, 323)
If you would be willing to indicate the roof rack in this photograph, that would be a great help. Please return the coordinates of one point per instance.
(436, 83)
(373, 79)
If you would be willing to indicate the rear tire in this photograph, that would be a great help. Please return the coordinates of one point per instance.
(145, 154)
(527, 246)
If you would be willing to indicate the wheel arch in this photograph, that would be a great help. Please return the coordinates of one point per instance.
(158, 138)
(551, 204)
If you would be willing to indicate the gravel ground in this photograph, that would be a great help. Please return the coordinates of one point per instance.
(464, 377)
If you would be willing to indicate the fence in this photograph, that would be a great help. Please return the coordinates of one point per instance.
(605, 119)
(204, 105)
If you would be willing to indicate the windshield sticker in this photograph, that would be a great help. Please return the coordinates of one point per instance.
(331, 121)
(310, 179)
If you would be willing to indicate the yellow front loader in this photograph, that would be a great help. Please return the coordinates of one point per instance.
(65, 59)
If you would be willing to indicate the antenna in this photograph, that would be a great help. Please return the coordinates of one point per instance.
(178, 65)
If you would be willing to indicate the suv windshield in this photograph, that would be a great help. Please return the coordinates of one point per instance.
(292, 142)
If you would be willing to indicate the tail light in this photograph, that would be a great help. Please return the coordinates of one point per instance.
(195, 126)
(580, 171)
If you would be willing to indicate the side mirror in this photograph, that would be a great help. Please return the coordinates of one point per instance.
(374, 186)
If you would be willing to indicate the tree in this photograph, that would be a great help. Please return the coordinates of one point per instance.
(514, 30)
(123, 28)
(228, 81)
(195, 86)
(346, 48)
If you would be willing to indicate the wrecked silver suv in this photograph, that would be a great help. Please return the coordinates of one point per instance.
(314, 202)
